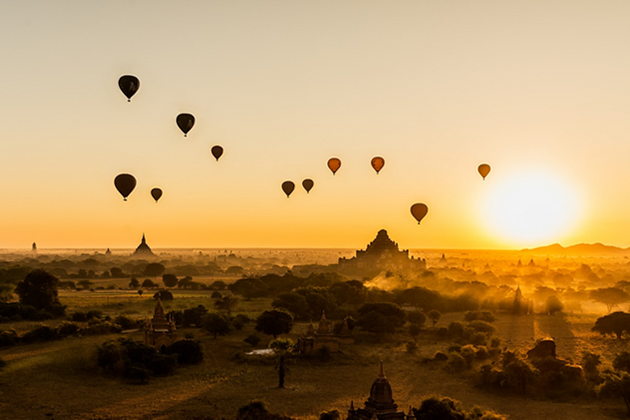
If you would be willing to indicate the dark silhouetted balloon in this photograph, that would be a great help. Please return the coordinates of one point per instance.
(308, 184)
(378, 163)
(334, 164)
(419, 210)
(288, 187)
(156, 193)
(129, 86)
(125, 183)
(217, 152)
(484, 170)
(185, 122)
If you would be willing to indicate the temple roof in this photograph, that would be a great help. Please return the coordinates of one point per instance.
(143, 248)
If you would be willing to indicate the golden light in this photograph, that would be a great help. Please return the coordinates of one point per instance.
(531, 208)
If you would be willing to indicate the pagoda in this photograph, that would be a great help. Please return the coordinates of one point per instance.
(380, 405)
(143, 250)
(160, 332)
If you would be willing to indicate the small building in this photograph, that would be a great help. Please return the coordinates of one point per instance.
(380, 405)
(160, 332)
(143, 250)
(323, 337)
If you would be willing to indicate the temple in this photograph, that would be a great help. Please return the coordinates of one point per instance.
(381, 254)
(324, 337)
(160, 332)
(143, 249)
(380, 405)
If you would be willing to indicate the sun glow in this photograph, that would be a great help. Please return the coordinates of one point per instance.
(531, 209)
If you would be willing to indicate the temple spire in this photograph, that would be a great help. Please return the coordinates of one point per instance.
(381, 374)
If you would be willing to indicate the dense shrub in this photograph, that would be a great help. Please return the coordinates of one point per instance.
(132, 360)
(125, 323)
(101, 327)
(41, 333)
(240, 320)
(8, 338)
(252, 340)
(188, 352)
(435, 408)
(194, 316)
(486, 316)
(67, 328)
(256, 410)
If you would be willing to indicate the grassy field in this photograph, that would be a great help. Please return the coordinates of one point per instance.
(60, 380)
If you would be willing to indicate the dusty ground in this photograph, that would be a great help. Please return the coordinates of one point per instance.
(58, 380)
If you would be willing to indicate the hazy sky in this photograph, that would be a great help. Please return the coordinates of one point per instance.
(540, 90)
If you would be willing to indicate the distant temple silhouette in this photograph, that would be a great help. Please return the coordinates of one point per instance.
(143, 249)
(382, 254)
(380, 405)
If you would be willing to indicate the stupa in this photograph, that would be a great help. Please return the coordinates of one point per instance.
(143, 249)
(380, 405)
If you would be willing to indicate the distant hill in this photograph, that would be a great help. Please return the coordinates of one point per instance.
(580, 249)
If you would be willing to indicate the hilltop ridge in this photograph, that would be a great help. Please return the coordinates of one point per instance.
(579, 249)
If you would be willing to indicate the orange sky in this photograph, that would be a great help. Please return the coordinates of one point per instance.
(436, 88)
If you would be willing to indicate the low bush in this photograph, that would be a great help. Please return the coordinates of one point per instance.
(188, 352)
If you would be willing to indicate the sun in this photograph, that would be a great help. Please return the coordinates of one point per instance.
(531, 208)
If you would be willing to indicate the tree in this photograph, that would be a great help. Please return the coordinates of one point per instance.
(149, 284)
(194, 316)
(553, 305)
(163, 295)
(227, 303)
(281, 347)
(414, 330)
(6, 292)
(417, 318)
(154, 270)
(38, 289)
(609, 296)
(381, 318)
(622, 362)
(117, 272)
(275, 322)
(217, 324)
(616, 385)
(615, 323)
(434, 315)
(294, 303)
(169, 280)
(85, 284)
(134, 283)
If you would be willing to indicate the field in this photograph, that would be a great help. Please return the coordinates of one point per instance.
(60, 380)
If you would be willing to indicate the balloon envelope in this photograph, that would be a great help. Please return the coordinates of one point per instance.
(419, 210)
(378, 163)
(334, 164)
(125, 183)
(185, 122)
(288, 187)
(217, 152)
(308, 184)
(129, 85)
(156, 193)
(484, 170)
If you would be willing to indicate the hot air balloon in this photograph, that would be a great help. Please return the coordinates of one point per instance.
(288, 187)
(185, 122)
(378, 163)
(125, 183)
(217, 152)
(484, 170)
(129, 85)
(156, 193)
(419, 210)
(308, 184)
(334, 164)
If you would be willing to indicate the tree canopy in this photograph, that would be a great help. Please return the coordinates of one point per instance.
(38, 289)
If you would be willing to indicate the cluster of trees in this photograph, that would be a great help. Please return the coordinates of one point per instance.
(138, 362)
(38, 296)
(43, 333)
